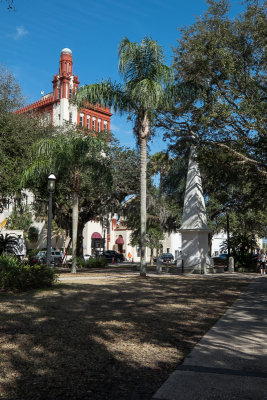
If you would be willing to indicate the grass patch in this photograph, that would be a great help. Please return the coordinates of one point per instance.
(105, 339)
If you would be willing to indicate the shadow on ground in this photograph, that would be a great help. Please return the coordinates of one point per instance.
(109, 339)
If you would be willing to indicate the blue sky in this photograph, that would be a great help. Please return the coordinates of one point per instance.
(32, 37)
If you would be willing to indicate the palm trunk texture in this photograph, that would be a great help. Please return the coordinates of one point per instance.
(143, 168)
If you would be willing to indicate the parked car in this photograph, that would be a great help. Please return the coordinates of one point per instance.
(56, 257)
(40, 258)
(86, 257)
(110, 255)
(166, 258)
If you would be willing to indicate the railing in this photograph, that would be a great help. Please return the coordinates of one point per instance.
(35, 105)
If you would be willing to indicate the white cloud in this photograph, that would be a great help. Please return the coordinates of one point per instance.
(20, 32)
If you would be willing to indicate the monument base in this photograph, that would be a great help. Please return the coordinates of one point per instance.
(197, 265)
(195, 251)
(194, 265)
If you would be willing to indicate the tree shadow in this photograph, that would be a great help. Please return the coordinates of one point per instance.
(109, 339)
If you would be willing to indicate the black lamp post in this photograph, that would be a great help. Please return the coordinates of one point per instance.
(51, 189)
(228, 210)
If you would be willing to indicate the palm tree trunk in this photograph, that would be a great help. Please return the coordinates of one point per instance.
(74, 231)
(143, 168)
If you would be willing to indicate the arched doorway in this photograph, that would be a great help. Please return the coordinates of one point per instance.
(96, 243)
(120, 242)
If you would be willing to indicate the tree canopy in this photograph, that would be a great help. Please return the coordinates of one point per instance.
(17, 135)
(10, 91)
(9, 4)
(226, 59)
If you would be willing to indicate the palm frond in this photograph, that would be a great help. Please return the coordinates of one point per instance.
(65, 152)
(105, 94)
(146, 93)
(141, 61)
(36, 170)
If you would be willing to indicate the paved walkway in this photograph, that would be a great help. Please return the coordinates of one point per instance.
(230, 361)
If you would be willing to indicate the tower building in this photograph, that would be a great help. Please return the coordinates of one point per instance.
(56, 107)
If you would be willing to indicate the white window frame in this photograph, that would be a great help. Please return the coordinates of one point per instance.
(81, 120)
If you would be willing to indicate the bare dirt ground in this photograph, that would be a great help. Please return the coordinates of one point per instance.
(105, 338)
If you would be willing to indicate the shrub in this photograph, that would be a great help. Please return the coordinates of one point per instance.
(31, 253)
(15, 275)
(245, 260)
(80, 262)
(92, 263)
(33, 234)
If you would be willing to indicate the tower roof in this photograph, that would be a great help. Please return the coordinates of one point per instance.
(66, 50)
(194, 211)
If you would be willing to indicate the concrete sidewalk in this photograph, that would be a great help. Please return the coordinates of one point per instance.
(230, 361)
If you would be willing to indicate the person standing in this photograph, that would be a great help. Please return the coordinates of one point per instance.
(262, 260)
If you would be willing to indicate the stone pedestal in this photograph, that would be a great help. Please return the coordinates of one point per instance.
(159, 266)
(231, 266)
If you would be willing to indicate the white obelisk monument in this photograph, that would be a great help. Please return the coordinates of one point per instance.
(194, 227)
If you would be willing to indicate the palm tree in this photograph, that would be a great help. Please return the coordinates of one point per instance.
(8, 244)
(70, 154)
(143, 92)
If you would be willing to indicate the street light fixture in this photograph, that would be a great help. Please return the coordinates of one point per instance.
(51, 189)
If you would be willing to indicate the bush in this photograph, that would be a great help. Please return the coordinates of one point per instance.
(15, 275)
(33, 234)
(31, 253)
(245, 261)
(92, 263)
